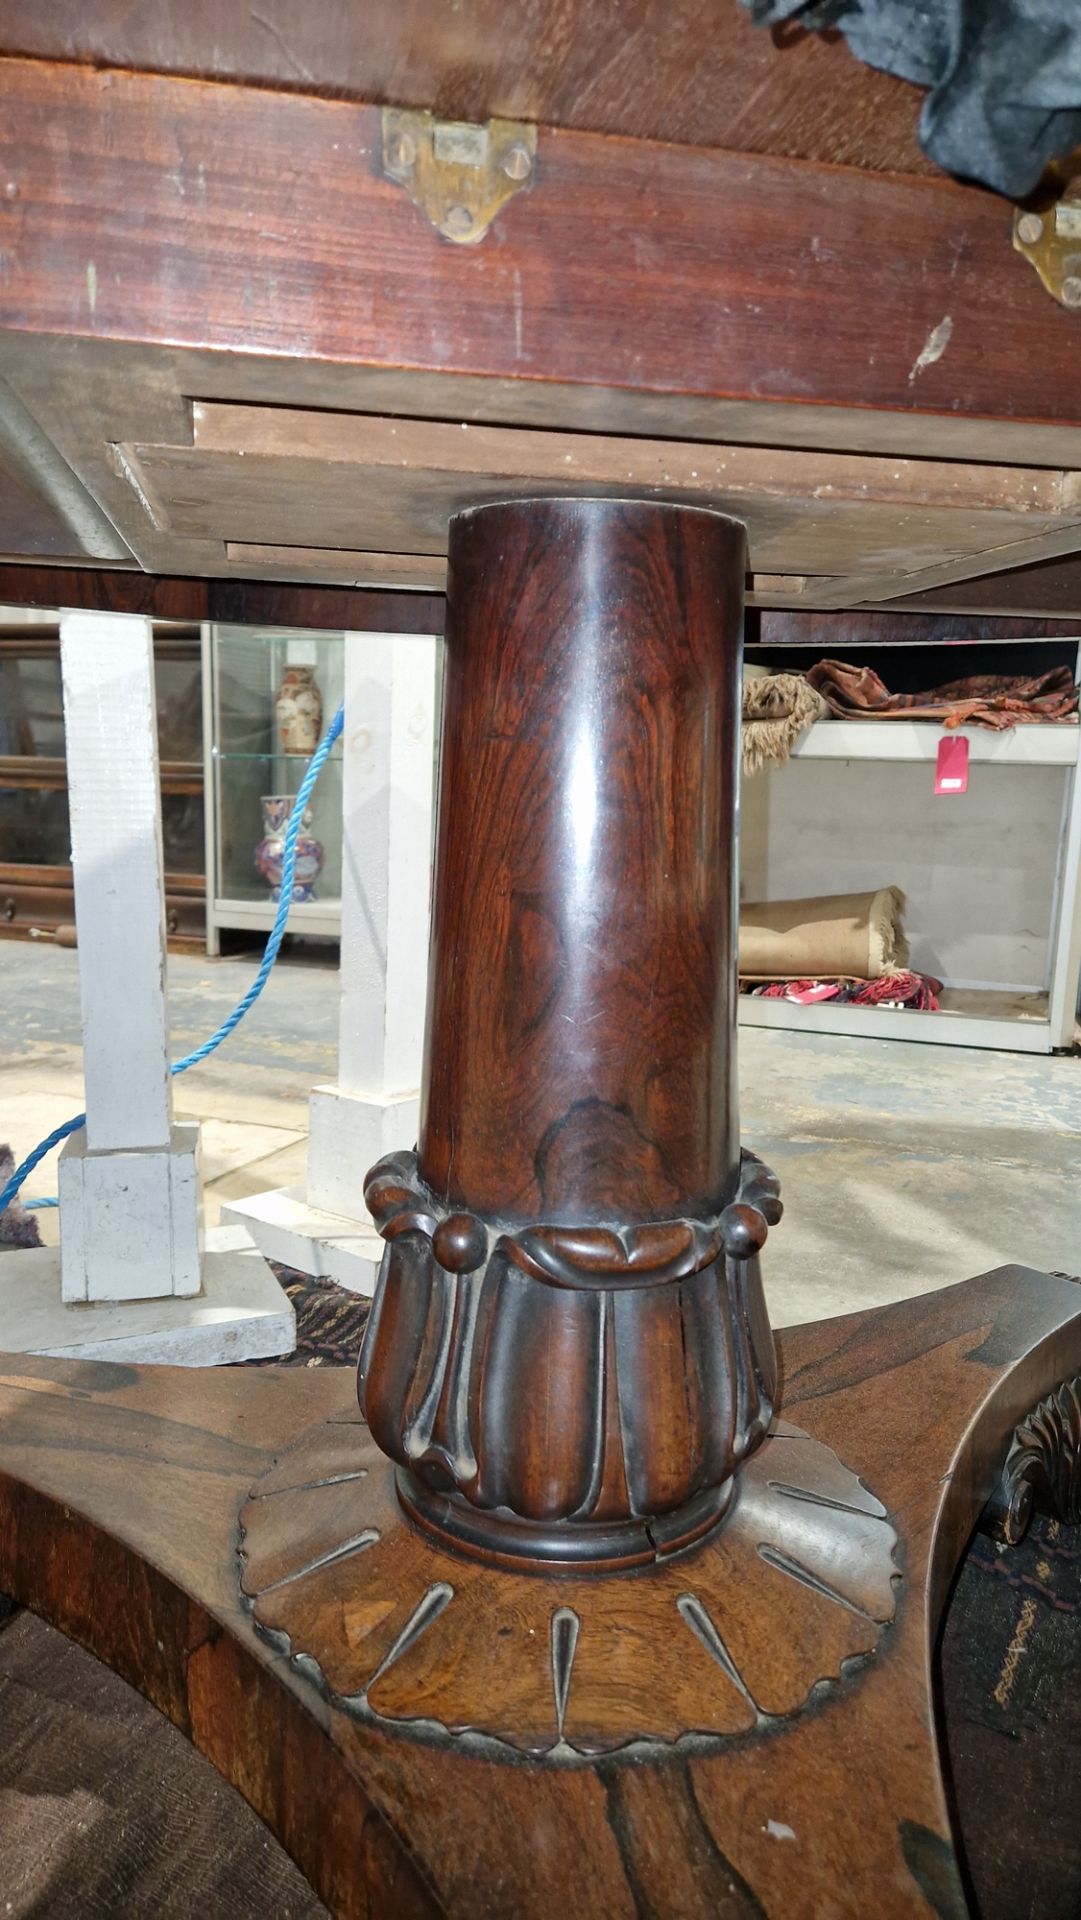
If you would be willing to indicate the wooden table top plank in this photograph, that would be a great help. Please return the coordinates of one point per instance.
(695, 71)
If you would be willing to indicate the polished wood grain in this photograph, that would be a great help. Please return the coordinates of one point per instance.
(578, 1062)
(653, 268)
(568, 1354)
(409, 1631)
(120, 1493)
(568, 1396)
(696, 71)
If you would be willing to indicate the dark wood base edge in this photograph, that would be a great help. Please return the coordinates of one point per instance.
(266, 1734)
(120, 1491)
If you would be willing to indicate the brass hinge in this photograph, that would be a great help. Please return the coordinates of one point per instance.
(1051, 240)
(458, 174)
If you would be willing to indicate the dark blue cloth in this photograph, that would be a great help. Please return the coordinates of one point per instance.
(1004, 75)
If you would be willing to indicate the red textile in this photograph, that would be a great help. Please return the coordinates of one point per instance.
(983, 700)
(916, 990)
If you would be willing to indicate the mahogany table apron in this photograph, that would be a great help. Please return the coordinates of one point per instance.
(575, 1616)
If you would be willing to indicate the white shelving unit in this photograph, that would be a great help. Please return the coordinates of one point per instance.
(1032, 746)
(1032, 1019)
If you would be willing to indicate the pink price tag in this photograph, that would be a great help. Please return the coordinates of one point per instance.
(951, 767)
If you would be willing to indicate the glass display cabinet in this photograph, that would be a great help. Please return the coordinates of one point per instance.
(35, 845)
(269, 696)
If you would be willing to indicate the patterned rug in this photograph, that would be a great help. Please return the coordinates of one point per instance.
(330, 1322)
(17, 1227)
(1011, 1691)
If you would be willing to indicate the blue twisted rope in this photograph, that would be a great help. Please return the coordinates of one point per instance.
(273, 946)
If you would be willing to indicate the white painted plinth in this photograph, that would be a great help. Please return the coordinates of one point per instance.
(131, 1219)
(348, 1133)
(326, 1245)
(241, 1313)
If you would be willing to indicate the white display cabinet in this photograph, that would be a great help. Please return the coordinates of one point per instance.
(246, 760)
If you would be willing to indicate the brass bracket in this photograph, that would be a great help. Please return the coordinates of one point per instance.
(1051, 240)
(458, 174)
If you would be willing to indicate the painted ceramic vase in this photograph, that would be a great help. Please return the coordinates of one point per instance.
(298, 707)
(270, 852)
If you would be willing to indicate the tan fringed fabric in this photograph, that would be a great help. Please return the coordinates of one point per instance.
(777, 708)
(838, 936)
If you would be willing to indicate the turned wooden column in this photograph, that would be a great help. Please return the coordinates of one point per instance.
(580, 1063)
(569, 1355)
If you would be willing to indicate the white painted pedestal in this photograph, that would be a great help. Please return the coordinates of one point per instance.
(388, 783)
(132, 1278)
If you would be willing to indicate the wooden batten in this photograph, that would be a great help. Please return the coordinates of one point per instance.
(291, 473)
(236, 602)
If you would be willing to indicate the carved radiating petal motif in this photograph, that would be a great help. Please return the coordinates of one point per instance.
(656, 1331)
(422, 1638)
(1042, 1469)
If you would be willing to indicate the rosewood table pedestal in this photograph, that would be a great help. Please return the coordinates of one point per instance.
(599, 1601)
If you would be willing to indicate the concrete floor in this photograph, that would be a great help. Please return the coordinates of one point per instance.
(903, 1167)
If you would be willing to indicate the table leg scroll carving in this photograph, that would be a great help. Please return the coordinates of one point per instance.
(1042, 1470)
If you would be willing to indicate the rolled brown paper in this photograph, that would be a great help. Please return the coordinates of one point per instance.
(839, 935)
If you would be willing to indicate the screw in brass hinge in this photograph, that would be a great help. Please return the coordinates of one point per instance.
(458, 174)
(1051, 239)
